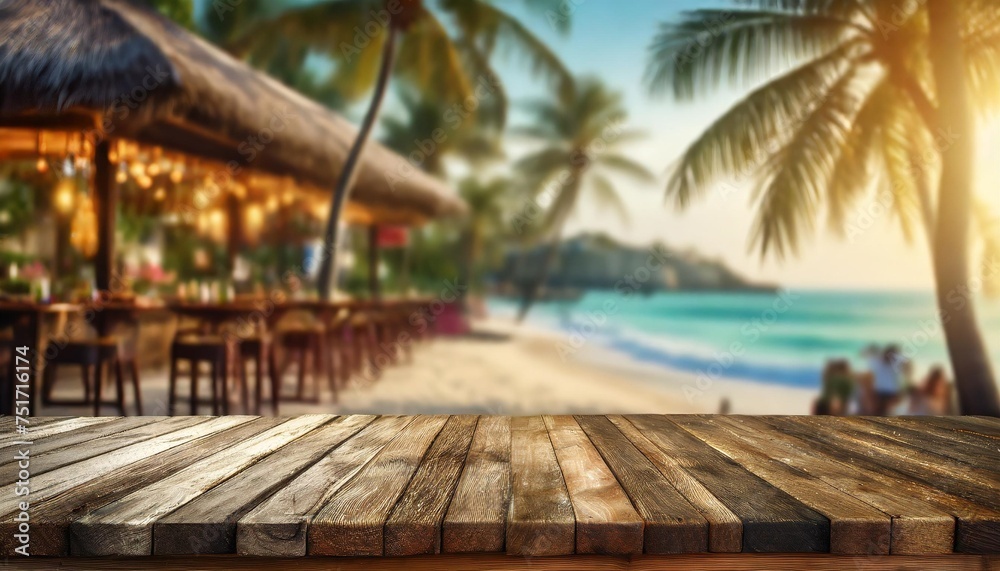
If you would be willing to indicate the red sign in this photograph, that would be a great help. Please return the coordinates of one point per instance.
(393, 237)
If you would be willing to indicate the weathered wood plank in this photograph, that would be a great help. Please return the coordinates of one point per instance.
(353, 521)
(672, 524)
(540, 520)
(125, 527)
(981, 452)
(497, 562)
(773, 521)
(947, 426)
(980, 424)
(36, 433)
(955, 452)
(725, 529)
(46, 462)
(279, 525)
(207, 524)
(52, 517)
(977, 523)
(414, 526)
(606, 522)
(84, 436)
(945, 474)
(856, 528)
(476, 522)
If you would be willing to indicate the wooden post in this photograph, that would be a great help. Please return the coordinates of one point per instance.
(235, 232)
(106, 202)
(373, 259)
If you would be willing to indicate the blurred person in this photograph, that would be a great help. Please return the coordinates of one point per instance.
(837, 388)
(934, 395)
(887, 373)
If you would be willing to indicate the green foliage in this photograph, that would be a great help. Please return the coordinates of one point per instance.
(447, 49)
(180, 11)
(843, 109)
(581, 138)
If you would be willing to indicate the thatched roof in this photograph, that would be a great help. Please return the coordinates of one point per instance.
(148, 79)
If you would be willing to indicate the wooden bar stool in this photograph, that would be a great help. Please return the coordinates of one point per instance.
(90, 354)
(256, 349)
(196, 348)
(307, 344)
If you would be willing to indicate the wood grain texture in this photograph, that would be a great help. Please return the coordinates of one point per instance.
(856, 528)
(930, 439)
(36, 432)
(494, 562)
(977, 523)
(279, 525)
(353, 522)
(88, 435)
(725, 529)
(414, 526)
(52, 518)
(951, 476)
(476, 522)
(42, 462)
(672, 524)
(125, 526)
(207, 524)
(533, 487)
(918, 526)
(773, 521)
(606, 521)
(946, 426)
(541, 520)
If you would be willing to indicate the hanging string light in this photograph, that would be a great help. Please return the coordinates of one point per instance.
(83, 228)
(65, 196)
(42, 165)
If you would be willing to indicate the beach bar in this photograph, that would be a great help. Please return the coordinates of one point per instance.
(115, 96)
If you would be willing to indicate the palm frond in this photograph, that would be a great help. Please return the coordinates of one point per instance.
(624, 165)
(708, 47)
(791, 189)
(855, 170)
(607, 197)
(737, 143)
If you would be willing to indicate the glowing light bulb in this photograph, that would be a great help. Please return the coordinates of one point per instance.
(64, 198)
(42, 165)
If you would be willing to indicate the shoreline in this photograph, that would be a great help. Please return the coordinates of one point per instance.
(680, 387)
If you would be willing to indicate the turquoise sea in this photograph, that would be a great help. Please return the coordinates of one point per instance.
(783, 337)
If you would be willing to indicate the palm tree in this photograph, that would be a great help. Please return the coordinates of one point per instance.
(580, 136)
(486, 200)
(848, 101)
(445, 47)
(422, 134)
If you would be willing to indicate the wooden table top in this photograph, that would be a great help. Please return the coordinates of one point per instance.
(554, 485)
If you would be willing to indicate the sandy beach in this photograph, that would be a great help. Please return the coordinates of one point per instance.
(506, 369)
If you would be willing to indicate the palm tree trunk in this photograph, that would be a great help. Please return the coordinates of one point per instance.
(977, 389)
(328, 266)
(531, 295)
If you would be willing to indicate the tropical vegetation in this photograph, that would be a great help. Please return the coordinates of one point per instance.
(848, 97)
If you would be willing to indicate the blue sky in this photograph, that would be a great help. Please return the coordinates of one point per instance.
(610, 39)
